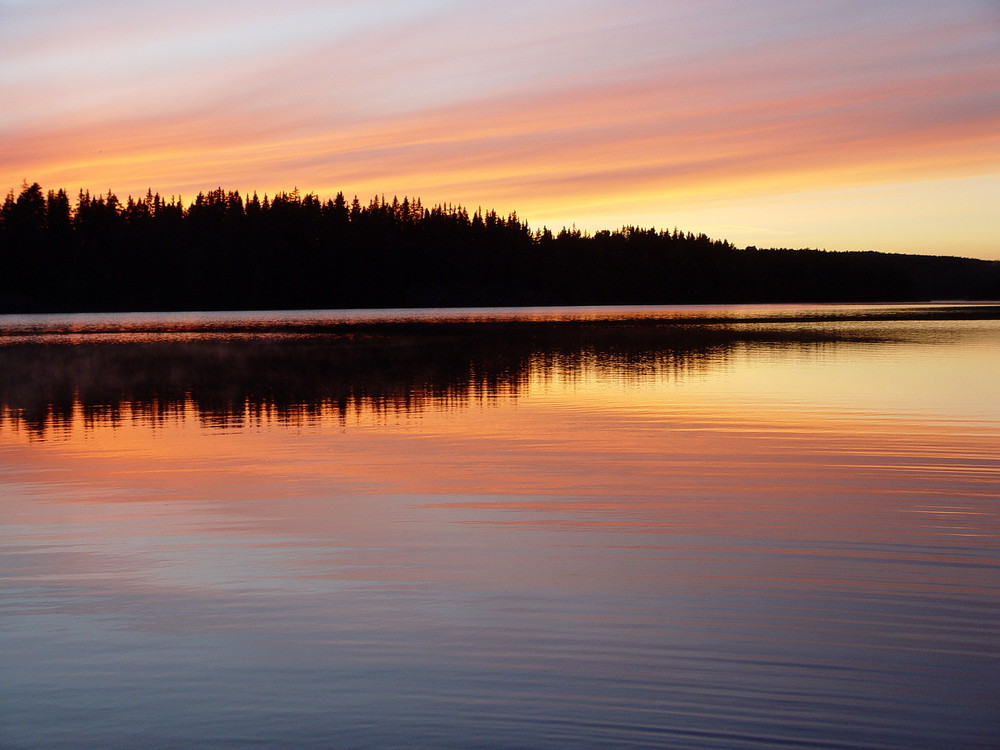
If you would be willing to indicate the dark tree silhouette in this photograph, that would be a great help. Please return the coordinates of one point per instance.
(294, 250)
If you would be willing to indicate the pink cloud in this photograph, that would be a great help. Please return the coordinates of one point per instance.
(532, 100)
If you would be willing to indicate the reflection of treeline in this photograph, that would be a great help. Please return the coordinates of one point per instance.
(228, 251)
(361, 370)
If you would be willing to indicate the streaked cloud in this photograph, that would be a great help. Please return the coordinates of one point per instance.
(585, 112)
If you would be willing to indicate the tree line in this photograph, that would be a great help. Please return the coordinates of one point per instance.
(225, 250)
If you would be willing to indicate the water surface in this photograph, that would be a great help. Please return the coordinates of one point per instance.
(701, 527)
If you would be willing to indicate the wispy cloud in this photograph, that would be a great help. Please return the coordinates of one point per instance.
(558, 109)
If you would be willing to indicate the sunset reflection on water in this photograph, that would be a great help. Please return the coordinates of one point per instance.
(719, 536)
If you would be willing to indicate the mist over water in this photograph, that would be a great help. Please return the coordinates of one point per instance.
(683, 527)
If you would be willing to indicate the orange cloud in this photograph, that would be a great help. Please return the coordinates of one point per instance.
(529, 121)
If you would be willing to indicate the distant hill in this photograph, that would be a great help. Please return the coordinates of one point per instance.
(226, 251)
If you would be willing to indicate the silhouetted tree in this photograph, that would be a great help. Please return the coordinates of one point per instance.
(294, 250)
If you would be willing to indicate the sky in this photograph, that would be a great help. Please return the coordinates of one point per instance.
(838, 124)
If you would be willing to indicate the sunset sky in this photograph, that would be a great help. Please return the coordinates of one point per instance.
(842, 124)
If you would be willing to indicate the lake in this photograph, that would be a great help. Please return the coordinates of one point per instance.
(678, 527)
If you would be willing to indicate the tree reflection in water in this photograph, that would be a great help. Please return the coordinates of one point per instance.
(235, 378)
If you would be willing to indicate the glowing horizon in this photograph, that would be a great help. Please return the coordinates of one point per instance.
(845, 125)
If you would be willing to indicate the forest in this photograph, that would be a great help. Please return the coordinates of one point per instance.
(227, 251)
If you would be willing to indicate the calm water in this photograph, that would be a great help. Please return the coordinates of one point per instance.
(703, 527)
